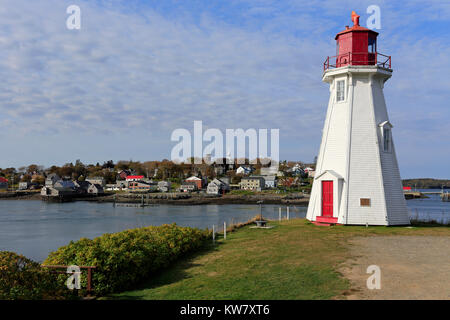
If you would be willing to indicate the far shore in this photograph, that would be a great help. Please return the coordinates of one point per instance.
(176, 198)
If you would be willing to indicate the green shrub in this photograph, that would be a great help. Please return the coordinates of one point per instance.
(125, 258)
(22, 278)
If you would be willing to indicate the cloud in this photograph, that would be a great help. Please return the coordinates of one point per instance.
(151, 67)
(128, 69)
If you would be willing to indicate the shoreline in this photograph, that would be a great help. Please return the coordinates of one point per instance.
(175, 199)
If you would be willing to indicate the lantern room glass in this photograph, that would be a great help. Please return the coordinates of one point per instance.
(372, 45)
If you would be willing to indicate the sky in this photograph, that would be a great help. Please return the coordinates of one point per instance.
(137, 70)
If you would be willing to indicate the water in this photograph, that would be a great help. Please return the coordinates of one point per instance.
(431, 208)
(35, 228)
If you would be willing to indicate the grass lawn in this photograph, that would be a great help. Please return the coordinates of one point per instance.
(293, 260)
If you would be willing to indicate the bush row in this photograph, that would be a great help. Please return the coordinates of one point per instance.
(125, 258)
(22, 278)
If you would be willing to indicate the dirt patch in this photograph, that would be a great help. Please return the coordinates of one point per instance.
(412, 267)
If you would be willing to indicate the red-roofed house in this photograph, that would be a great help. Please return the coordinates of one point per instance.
(3, 183)
(134, 178)
(199, 182)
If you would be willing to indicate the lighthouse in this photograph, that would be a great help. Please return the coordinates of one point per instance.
(357, 179)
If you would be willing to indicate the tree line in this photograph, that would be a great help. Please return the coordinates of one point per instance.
(159, 170)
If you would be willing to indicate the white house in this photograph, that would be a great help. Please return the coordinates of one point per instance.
(269, 171)
(164, 186)
(270, 181)
(217, 186)
(357, 180)
(51, 179)
(95, 188)
(188, 186)
(97, 180)
(243, 170)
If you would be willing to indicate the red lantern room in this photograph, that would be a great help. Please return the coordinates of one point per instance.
(357, 46)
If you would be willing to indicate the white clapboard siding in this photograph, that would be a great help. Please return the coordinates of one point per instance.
(352, 155)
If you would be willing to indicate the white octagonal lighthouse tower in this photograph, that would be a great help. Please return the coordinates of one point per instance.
(357, 180)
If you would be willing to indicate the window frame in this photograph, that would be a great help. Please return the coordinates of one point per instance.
(344, 93)
(387, 139)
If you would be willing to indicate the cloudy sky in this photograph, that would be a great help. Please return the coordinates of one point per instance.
(137, 70)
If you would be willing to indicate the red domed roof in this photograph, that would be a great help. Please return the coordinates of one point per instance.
(356, 27)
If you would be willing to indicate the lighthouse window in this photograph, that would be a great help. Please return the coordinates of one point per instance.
(340, 90)
(372, 45)
(387, 139)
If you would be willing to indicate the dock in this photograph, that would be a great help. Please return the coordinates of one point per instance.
(133, 205)
(414, 195)
(445, 196)
(144, 203)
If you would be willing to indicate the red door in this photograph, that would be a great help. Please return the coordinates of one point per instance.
(327, 198)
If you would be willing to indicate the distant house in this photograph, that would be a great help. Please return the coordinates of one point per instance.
(3, 183)
(64, 184)
(199, 182)
(56, 191)
(122, 175)
(310, 171)
(217, 186)
(270, 181)
(134, 178)
(97, 180)
(164, 186)
(51, 179)
(269, 171)
(120, 184)
(188, 186)
(244, 170)
(24, 185)
(297, 170)
(95, 188)
(142, 186)
(213, 188)
(252, 183)
(81, 186)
